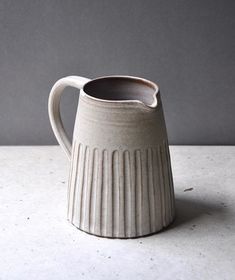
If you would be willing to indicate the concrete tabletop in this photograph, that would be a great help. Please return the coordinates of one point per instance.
(37, 242)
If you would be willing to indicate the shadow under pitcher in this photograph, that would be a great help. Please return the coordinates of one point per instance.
(120, 181)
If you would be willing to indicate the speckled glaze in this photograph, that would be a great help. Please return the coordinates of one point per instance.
(120, 182)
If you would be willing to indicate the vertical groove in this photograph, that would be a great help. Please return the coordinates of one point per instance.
(93, 191)
(145, 192)
(115, 179)
(86, 197)
(127, 190)
(157, 188)
(139, 191)
(162, 186)
(81, 188)
(165, 214)
(104, 206)
(167, 184)
(90, 191)
(121, 196)
(109, 210)
(151, 192)
(170, 175)
(101, 179)
(133, 194)
(70, 185)
(75, 172)
(98, 206)
(97, 197)
(84, 186)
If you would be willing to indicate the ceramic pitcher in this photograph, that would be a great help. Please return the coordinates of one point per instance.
(120, 182)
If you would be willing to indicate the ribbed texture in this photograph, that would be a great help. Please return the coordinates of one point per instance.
(120, 193)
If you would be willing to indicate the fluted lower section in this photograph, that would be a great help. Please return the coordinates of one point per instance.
(120, 193)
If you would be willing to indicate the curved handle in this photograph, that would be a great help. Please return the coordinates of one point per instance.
(54, 109)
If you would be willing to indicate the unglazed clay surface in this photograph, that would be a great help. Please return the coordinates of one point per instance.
(120, 182)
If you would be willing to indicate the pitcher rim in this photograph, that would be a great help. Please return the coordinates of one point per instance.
(128, 101)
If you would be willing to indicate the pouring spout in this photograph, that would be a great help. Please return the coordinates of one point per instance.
(123, 89)
(154, 104)
(148, 95)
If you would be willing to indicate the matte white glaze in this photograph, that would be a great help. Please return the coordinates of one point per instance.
(120, 182)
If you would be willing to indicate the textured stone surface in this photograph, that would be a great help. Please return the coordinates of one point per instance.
(37, 242)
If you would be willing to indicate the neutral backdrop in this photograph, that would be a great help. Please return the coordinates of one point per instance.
(187, 47)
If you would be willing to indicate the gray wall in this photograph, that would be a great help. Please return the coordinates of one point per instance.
(187, 47)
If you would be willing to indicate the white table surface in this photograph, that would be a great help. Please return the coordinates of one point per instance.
(37, 242)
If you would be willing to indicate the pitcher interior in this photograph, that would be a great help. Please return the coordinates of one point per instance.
(117, 88)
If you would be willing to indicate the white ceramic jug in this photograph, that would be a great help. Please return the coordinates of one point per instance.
(120, 182)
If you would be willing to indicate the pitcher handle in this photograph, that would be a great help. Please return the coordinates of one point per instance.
(54, 109)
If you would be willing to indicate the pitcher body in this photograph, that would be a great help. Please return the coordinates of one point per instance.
(120, 182)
